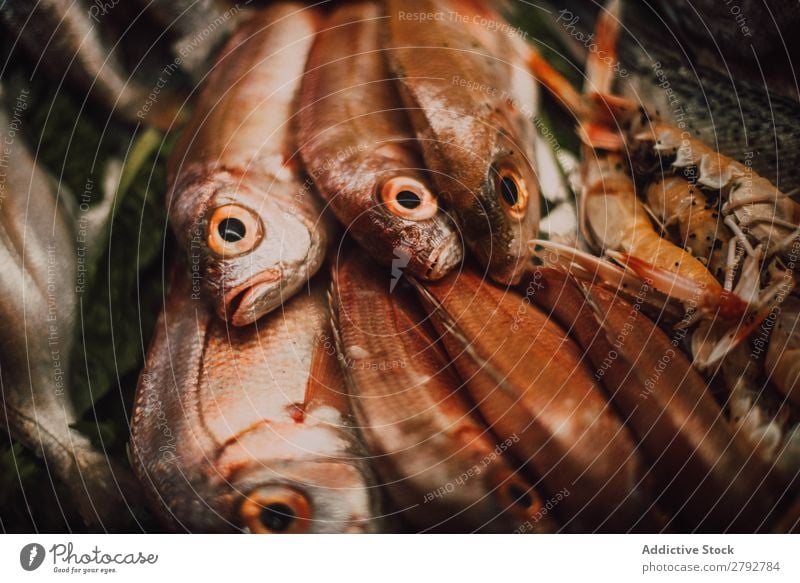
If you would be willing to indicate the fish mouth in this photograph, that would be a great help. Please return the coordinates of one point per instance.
(247, 302)
(443, 259)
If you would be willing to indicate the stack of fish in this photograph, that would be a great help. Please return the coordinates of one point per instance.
(410, 397)
(355, 338)
(252, 411)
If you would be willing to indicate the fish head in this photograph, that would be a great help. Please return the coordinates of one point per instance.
(404, 219)
(501, 213)
(255, 252)
(286, 477)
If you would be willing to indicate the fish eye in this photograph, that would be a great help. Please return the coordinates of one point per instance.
(275, 510)
(519, 496)
(234, 230)
(408, 198)
(512, 192)
(231, 230)
(509, 190)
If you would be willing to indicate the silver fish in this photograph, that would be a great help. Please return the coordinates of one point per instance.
(38, 308)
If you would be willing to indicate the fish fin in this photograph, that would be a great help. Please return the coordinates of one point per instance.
(320, 391)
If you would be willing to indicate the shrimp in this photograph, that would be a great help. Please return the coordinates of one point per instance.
(614, 219)
(675, 201)
(754, 207)
(782, 363)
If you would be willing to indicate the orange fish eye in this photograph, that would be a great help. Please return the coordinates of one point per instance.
(233, 230)
(276, 510)
(520, 498)
(513, 193)
(408, 198)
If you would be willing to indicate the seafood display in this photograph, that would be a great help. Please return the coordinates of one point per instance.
(395, 295)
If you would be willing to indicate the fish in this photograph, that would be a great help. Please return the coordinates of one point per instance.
(531, 380)
(68, 40)
(39, 307)
(237, 199)
(472, 100)
(358, 146)
(706, 475)
(247, 429)
(442, 466)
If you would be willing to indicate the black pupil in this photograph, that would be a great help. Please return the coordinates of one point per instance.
(508, 188)
(277, 517)
(232, 230)
(520, 496)
(408, 199)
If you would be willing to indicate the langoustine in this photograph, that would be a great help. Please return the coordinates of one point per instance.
(612, 216)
